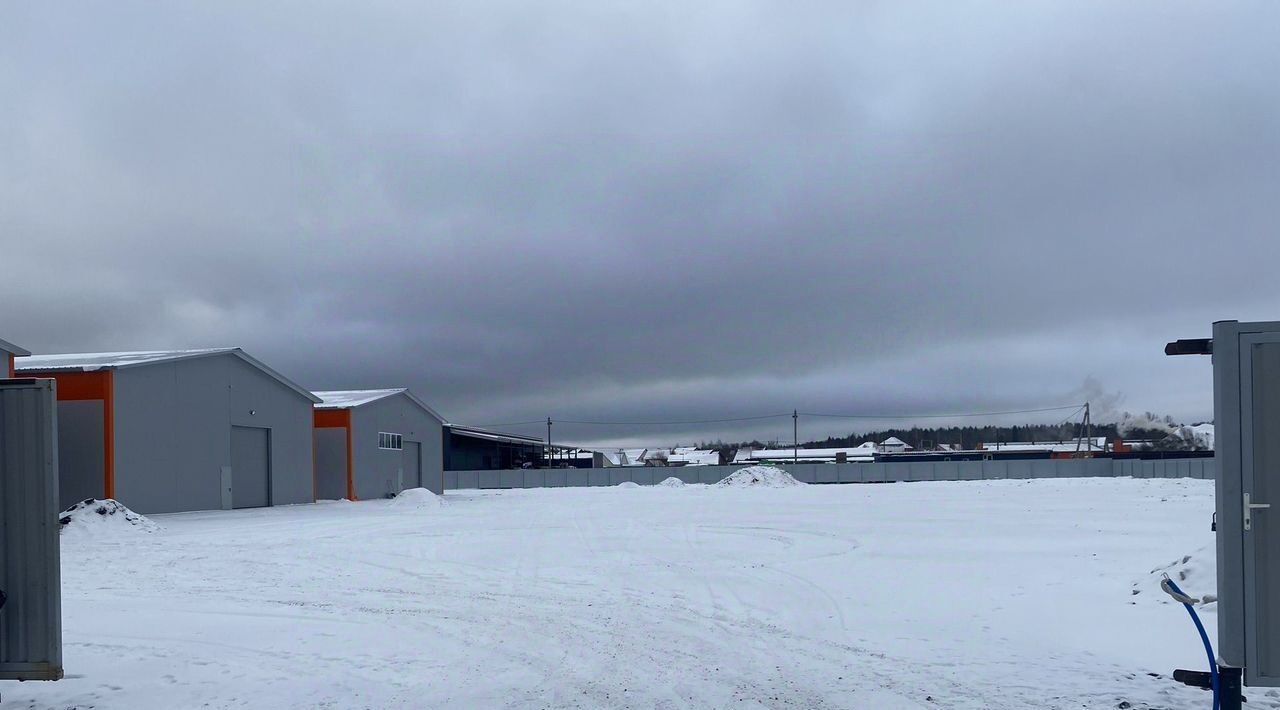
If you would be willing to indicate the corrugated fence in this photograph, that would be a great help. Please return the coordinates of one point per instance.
(843, 473)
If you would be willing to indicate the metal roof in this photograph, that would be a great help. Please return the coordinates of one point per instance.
(347, 399)
(92, 362)
(9, 347)
(493, 435)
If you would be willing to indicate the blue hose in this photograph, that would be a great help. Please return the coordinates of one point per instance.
(1208, 648)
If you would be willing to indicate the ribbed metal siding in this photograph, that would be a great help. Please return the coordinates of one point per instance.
(31, 620)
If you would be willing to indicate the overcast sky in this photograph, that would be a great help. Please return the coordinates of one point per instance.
(650, 210)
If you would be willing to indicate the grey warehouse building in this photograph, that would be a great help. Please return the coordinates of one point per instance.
(376, 443)
(179, 430)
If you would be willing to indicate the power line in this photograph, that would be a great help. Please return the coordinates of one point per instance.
(942, 416)
(1070, 416)
(1074, 409)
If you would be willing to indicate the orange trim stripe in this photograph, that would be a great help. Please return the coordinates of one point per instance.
(75, 386)
(89, 386)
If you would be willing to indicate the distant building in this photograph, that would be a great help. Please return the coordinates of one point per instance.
(582, 458)
(692, 456)
(863, 453)
(474, 449)
(1057, 449)
(893, 445)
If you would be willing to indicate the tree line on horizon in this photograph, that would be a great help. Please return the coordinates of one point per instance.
(969, 437)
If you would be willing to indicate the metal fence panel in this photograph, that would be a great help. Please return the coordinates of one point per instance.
(820, 473)
(31, 620)
(848, 472)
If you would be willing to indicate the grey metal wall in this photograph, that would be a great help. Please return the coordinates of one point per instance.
(173, 432)
(31, 619)
(844, 473)
(331, 463)
(377, 471)
(80, 451)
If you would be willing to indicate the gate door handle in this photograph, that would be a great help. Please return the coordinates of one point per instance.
(1249, 507)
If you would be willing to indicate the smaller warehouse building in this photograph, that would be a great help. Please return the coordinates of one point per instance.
(9, 351)
(178, 430)
(376, 443)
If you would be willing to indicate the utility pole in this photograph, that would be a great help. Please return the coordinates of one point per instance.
(1087, 426)
(548, 442)
(795, 437)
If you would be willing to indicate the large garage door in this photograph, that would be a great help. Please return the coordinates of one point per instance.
(81, 459)
(331, 463)
(250, 467)
(412, 464)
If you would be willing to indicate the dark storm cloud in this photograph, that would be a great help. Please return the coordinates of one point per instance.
(649, 211)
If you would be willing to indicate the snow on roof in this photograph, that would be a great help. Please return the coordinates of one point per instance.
(91, 362)
(893, 441)
(864, 451)
(346, 399)
(613, 457)
(342, 399)
(1099, 443)
(694, 457)
(8, 347)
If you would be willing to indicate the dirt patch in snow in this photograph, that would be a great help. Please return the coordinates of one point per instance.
(672, 482)
(415, 498)
(760, 476)
(1195, 574)
(104, 517)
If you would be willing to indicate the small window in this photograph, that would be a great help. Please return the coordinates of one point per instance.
(387, 440)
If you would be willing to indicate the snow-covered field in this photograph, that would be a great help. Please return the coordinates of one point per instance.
(995, 594)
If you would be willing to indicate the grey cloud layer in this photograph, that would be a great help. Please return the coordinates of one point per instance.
(649, 211)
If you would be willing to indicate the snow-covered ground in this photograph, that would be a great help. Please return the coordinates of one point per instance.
(983, 594)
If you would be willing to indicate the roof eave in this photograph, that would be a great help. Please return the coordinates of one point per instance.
(14, 349)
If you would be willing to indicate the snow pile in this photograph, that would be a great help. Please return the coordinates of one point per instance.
(763, 476)
(628, 484)
(1196, 574)
(672, 482)
(104, 517)
(415, 498)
